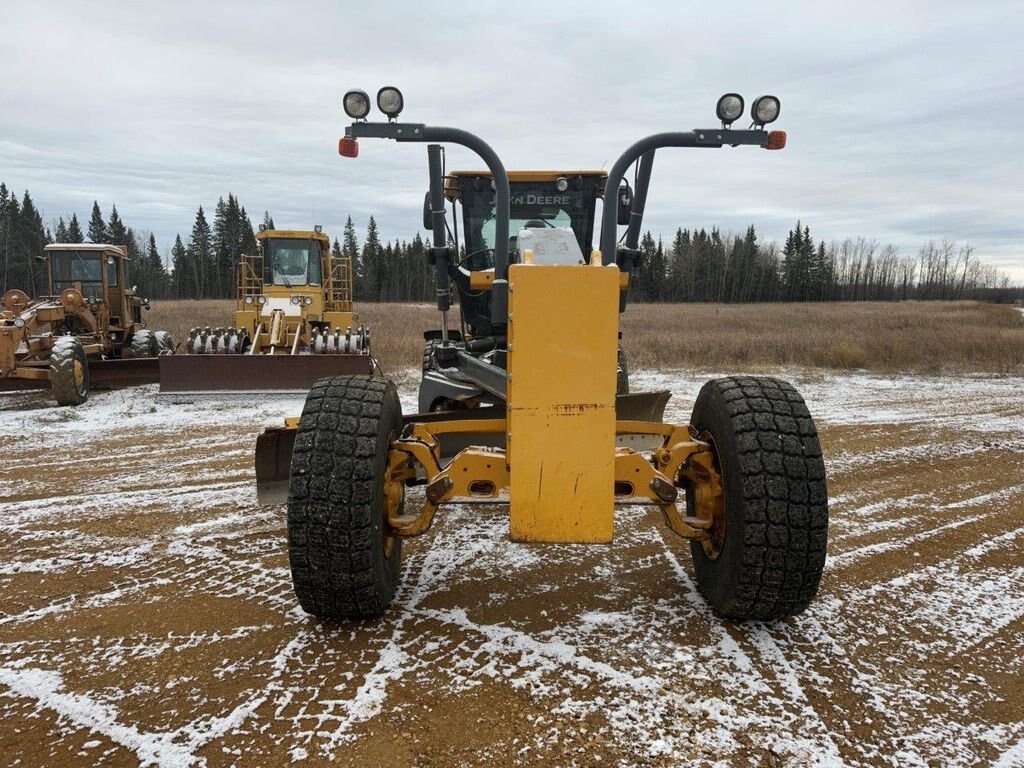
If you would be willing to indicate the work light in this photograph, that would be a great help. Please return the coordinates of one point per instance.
(729, 108)
(765, 110)
(296, 300)
(389, 101)
(262, 300)
(249, 299)
(307, 300)
(19, 322)
(357, 104)
(561, 184)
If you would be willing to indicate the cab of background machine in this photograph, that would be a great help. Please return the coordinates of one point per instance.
(294, 277)
(99, 272)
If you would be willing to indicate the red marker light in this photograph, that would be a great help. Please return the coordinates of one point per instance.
(348, 147)
(776, 140)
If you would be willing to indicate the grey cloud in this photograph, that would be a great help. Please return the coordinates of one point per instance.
(901, 116)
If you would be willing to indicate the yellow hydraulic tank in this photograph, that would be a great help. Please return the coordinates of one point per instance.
(563, 338)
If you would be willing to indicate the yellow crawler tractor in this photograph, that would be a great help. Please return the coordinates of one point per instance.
(521, 406)
(86, 330)
(294, 324)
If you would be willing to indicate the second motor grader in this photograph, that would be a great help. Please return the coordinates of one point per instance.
(86, 329)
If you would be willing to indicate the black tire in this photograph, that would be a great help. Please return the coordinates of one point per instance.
(164, 342)
(776, 502)
(428, 355)
(343, 565)
(622, 374)
(69, 371)
(143, 344)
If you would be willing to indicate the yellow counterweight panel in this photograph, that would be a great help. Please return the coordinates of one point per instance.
(563, 329)
(341, 320)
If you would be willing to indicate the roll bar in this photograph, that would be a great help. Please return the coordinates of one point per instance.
(425, 133)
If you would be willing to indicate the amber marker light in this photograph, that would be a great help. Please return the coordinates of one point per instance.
(348, 147)
(776, 140)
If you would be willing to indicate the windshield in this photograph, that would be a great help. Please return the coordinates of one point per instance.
(84, 268)
(534, 205)
(291, 262)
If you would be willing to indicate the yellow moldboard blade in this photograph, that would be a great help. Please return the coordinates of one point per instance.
(563, 332)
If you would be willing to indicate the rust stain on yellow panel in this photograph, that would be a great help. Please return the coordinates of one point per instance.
(561, 402)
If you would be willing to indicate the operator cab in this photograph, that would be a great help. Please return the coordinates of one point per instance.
(291, 261)
(91, 268)
(554, 207)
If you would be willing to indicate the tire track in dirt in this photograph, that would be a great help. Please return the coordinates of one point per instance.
(153, 618)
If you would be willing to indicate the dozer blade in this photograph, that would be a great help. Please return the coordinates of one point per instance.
(273, 465)
(197, 375)
(641, 406)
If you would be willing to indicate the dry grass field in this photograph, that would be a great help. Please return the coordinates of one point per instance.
(919, 337)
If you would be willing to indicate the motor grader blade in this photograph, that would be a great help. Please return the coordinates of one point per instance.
(103, 374)
(274, 446)
(183, 376)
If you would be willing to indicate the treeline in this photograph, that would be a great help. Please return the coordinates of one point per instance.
(697, 266)
(700, 266)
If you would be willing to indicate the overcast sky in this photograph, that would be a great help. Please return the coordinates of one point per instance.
(905, 120)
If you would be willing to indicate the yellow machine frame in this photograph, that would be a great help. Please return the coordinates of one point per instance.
(274, 323)
(560, 489)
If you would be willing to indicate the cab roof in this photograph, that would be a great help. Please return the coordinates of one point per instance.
(293, 234)
(451, 189)
(531, 175)
(120, 250)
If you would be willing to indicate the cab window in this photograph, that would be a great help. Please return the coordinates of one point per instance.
(291, 262)
(83, 268)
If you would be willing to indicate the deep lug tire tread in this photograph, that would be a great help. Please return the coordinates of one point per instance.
(164, 342)
(336, 500)
(66, 349)
(143, 344)
(776, 528)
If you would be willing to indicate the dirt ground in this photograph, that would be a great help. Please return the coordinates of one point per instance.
(147, 614)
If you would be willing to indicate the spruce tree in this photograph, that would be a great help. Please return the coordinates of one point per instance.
(75, 230)
(61, 231)
(117, 232)
(200, 256)
(97, 227)
(180, 270)
(372, 276)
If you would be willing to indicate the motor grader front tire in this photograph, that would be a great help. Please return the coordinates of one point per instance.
(143, 344)
(765, 558)
(344, 565)
(69, 371)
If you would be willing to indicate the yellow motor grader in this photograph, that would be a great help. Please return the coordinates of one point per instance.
(86, 330)
(543, 427)
(294, 324)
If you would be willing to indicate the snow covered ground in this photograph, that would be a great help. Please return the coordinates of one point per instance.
(148, 617)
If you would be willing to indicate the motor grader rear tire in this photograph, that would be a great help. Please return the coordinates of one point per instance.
(768, 560)
(69, 371)
(143, 344)
(343, 563)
